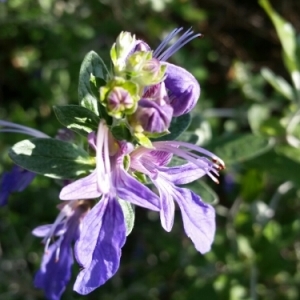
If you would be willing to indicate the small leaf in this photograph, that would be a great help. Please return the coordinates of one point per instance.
(91, 67)
(241, 148)
(51, 158)
(129, 215)
(276, 166)
(257, 113)
(177, 127)
(77, 118)
(278, 83)
(285, 31)
(206, 193)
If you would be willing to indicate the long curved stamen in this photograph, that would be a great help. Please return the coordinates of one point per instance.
(165, 42)
(183, 40)
(203, 163)
(102, 159)
(12, 127)
(192, 147)
(65, 212)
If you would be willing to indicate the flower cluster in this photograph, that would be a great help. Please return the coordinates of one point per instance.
(122, 164)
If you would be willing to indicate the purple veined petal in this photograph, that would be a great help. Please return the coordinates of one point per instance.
(90, 228)
(184, 90)
(130, 189)
(182, 174)
(54, 274)
(43, 230)
(161, 158)
(104, 255)
(198, 219)
(14, 181)
(167, 210)
(84, 188)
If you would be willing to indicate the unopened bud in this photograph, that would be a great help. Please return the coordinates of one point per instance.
(119, 101)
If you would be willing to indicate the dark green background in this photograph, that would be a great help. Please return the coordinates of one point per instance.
(255, 255)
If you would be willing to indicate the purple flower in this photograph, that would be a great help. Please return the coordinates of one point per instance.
(198, 217)
(183, 88)
(14, 181)
(55, 271)
(98, 249)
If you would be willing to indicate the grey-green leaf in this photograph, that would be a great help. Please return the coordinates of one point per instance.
(51, 158)
(241, 148)
(278, 83)
(77, 118)
(177, 127)
(129, 215)
(91, 67)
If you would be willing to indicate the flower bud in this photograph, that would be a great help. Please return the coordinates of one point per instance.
(152, 117)
(119, 101)
(120, 50)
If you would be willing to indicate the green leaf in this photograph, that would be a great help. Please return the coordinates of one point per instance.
(276, 166)
(290, 152)
(257, 113)
(207, 194)
(129, 215)
(278, 83)
(177, 127)
(77, 118)
(285, 31)
(241, 148)
(51, 158)
(91, 67)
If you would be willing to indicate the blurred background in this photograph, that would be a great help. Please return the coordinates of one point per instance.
(246, 114)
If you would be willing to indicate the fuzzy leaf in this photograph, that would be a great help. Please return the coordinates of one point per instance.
(51, 158)
(92, 67)
(77, 118)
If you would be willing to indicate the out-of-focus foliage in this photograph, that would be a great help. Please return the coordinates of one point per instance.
(248, 65)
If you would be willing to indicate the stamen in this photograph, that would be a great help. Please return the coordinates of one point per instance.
(13, 127)
(164, 43)
(183, 40)
(102, 159)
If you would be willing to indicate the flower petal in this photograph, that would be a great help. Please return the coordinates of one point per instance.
(184, 90)
(14, 181)
(99, 246)
(84, 188)
(167, 210)
(198, 219)
(183, 174)
(54, 275)
(43, 230)
(129, 189)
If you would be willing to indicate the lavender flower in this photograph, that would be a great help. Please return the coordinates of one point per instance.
(103, 234)
(55, 271)
(198, 217)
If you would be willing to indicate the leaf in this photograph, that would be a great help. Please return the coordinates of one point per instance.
(290, 152)
(129, 215)
(241, 148)
(177, 127)
(206, 193)
(257, 113)
(92, 67)
(278, 83)
(77, 118)
(286, 34)
(51, 157)
(277, 166)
